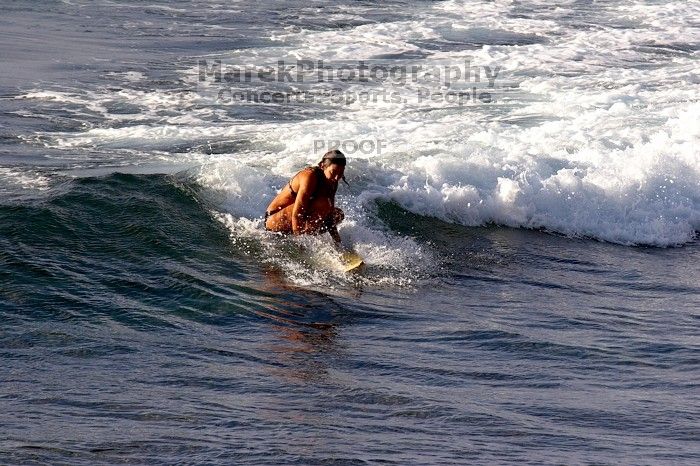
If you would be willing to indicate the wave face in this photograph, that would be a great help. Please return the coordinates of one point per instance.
(126, 308)
(147, 318)
(591, 129)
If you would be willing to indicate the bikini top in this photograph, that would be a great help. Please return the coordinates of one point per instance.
(319, 179)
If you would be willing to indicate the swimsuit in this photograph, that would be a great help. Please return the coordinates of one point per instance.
(317, 170)
(319, 177)
(319, 173)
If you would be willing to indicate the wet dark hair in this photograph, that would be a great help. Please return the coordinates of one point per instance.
(333, 157)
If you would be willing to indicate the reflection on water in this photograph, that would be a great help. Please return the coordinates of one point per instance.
(304, 328)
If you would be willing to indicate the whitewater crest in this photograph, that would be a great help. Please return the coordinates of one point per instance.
(577, 139)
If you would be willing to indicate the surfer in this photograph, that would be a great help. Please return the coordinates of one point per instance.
(306, 204)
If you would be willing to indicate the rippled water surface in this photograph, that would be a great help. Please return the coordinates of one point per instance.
(530, 293)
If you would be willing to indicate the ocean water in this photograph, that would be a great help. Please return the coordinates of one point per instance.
(531, 287)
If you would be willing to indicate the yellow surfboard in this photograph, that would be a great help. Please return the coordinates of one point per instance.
(350, 261)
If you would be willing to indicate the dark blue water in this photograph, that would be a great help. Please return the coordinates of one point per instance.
(138, 328)
(134, 332)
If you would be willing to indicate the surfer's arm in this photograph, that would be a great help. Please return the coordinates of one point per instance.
(300, 211)
(332, 223)
(333, 231)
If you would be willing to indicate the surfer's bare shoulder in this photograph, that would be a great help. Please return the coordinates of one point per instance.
(305, 182)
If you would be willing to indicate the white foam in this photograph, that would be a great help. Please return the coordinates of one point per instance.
(131, 76)
(14, 180)
(592, 134)
(312, 261)
(242, 189)
(617, 159)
